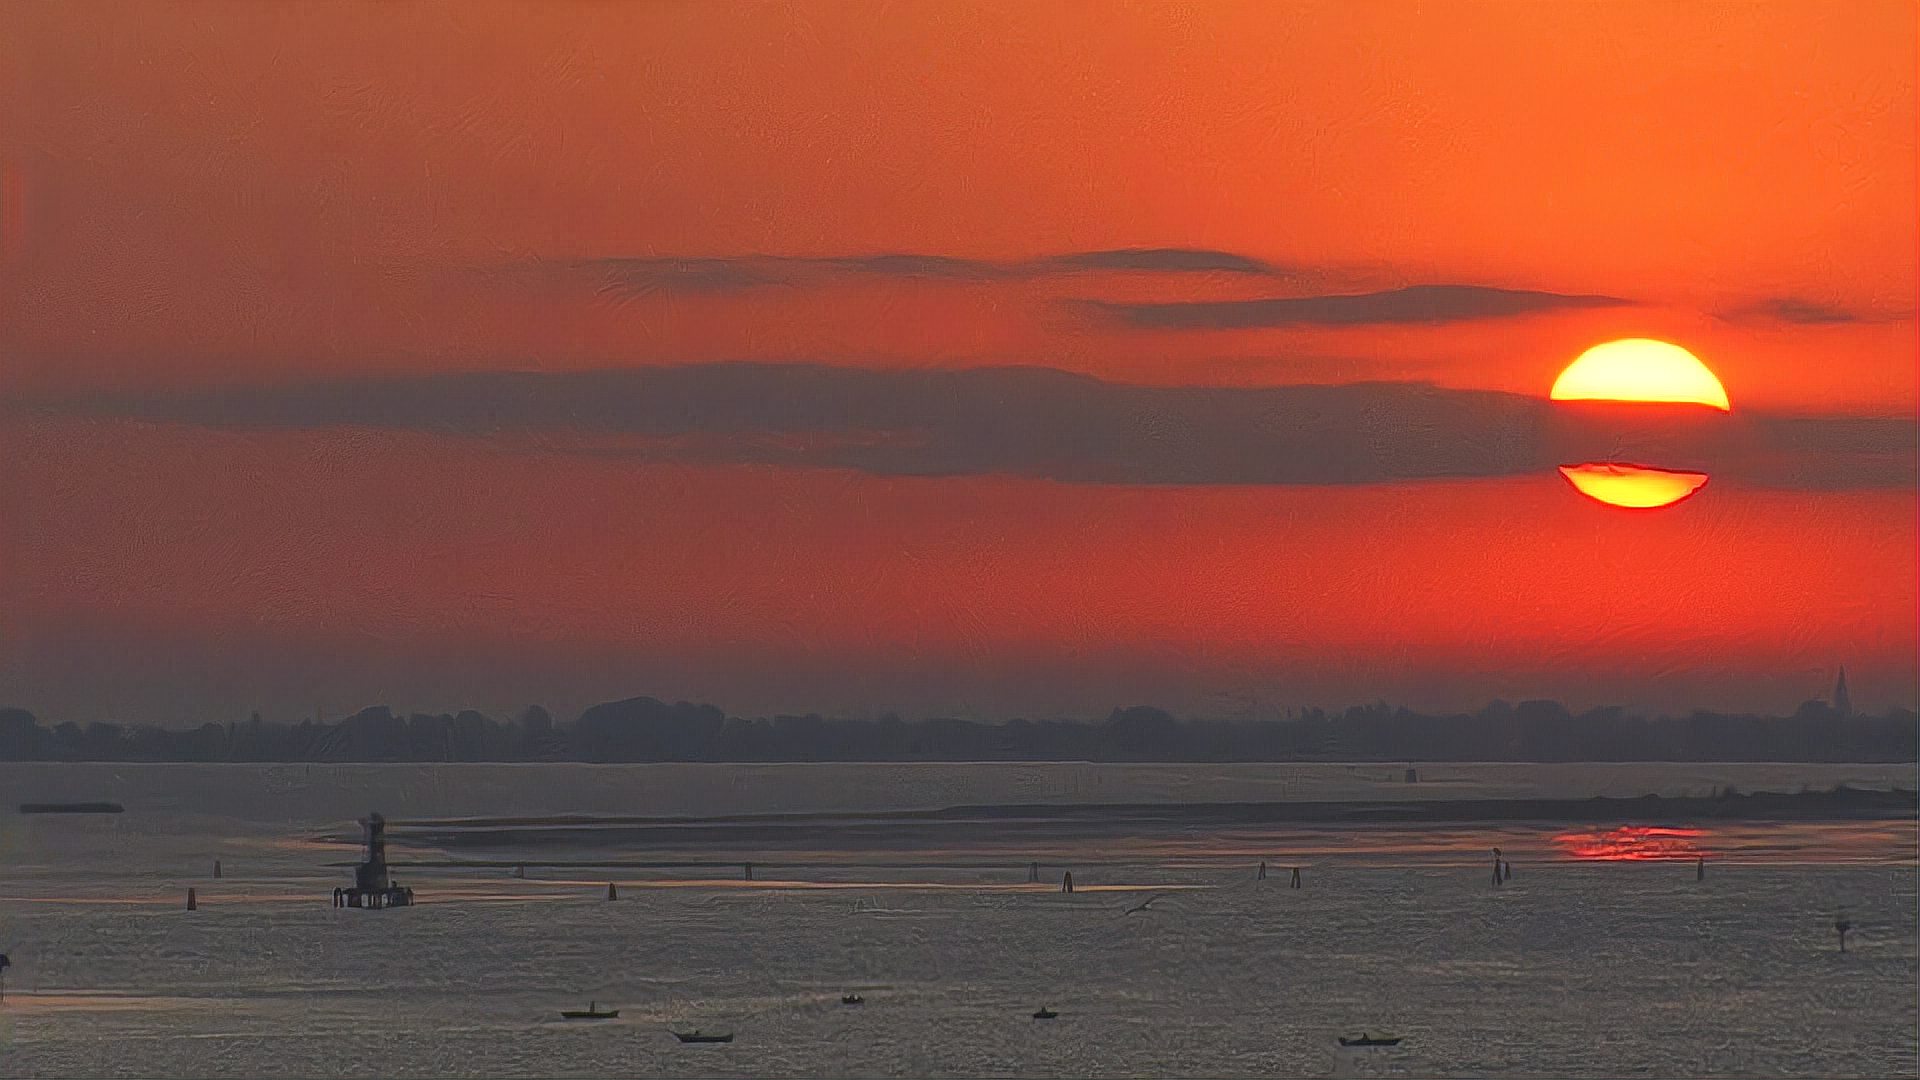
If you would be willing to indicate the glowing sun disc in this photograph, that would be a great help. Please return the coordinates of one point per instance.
(1640, 369)
(1634, 487)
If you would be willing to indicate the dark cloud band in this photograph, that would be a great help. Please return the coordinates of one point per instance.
(1043, 423)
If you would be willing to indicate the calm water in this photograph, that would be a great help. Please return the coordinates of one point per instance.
(1577, 967)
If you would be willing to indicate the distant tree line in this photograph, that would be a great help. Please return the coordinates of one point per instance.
(643, 729)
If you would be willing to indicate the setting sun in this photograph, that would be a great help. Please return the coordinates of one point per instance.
(1640, 369)
(1633, 487)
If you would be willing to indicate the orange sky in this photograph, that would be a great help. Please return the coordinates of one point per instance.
(197, 195)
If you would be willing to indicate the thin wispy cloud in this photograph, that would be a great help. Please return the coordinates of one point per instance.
(1166, 261)
(649, 274)
(1795, 311)
(1415, 304)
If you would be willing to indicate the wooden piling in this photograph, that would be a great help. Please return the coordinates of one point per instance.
(1295, 882)
(612, 893)
(1262, 875)
(216, 869)
(193, 901)
(1033, 872)
(1066, 883)
(749, 871)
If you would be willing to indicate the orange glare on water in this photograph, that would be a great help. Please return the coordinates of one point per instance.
(1635, 487)
(1633, 843)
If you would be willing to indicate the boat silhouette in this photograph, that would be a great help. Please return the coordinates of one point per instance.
(1366, 1039)
(1045, 1014)
(695, 1036)
(593, 1011)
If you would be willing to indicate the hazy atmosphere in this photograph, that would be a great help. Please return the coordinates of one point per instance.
(947, 359)
(1089, 538)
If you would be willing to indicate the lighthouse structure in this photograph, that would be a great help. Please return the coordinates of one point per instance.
(1842, 701)
(373, 886)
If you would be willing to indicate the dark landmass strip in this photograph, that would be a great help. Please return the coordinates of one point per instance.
(1057, 820)
(71, 808)
(646, 730)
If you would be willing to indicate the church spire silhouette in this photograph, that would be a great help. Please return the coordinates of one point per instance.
(1842, 701)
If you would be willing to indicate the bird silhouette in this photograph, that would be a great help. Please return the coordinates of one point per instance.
(1144, 904)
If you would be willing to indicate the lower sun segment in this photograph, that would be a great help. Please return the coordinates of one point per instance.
(1632, 486)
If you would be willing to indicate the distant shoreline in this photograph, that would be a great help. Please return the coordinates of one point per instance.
(646, 730)
(1054, 819)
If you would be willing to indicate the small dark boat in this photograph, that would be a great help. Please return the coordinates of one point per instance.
(1045, 1014)
(1365, 1039)
(593, 1011)
(852, 999)
(694, 1036)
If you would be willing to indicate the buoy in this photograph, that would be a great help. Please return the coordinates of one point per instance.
(612, 893)
(193, 901)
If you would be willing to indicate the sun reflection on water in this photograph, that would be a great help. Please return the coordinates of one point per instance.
(1633, 843)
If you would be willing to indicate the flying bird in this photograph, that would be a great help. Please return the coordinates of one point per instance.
(1145, 904)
